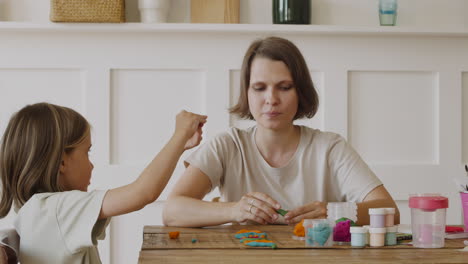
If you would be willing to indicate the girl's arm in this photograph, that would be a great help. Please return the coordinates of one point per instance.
(151, 182)
(184, 206)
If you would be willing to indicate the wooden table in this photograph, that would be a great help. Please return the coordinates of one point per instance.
(218, 245)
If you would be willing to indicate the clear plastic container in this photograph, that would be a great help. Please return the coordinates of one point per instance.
(318, 232)
(337, 212)
(428, 213)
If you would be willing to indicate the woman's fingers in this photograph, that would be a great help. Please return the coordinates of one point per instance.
(260, 207)
(309, 211)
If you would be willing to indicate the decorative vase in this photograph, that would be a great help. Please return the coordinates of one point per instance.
(291, 11)
(154, 11)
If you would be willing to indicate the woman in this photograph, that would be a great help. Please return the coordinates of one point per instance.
(274, 164)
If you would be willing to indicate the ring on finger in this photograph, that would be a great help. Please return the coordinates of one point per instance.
(250, 208)
(251, 201)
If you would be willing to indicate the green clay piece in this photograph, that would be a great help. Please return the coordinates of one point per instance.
(194, 240)
(281, 212)
(274, 246)
(342, 219)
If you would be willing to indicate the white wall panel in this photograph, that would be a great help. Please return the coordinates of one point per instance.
(144, 105)
(465, 117)
(19, 87)
(393, 116)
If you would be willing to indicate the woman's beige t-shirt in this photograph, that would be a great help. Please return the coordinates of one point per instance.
(324, 168)
(61, 227)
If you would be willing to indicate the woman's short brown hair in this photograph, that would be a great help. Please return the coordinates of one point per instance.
(279, 49)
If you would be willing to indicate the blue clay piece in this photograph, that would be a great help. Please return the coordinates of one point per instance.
(246, 235)
(321, 233)
(261, 244)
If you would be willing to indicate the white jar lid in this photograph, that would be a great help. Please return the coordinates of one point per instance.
(389, 210)
(377, 230)
(357, 229)
(377, 211)
(392, 229)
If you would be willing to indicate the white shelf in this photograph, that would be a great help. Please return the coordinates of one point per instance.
(228, 28)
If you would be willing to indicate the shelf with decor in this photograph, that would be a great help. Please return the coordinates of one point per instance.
(263, 29)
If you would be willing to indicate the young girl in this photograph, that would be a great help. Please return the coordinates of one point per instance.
(275, 164)
(45, 172)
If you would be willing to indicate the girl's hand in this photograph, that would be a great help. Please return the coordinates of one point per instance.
(309, 211)
(257, 207)
(189, 126)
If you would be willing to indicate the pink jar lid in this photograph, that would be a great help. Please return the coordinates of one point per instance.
(428, 202)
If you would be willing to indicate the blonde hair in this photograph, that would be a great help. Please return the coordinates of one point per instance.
(31, 151)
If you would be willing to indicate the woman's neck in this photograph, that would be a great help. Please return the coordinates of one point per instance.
(277, 146)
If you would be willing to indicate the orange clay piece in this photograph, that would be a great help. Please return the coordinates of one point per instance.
(299, 229)
(174, 235)
(260, 240)
(247, 231)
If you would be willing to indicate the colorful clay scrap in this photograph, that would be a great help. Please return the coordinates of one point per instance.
(299, 229)
(254, 238)
(174, 235)
(260, 243)
(250, 234)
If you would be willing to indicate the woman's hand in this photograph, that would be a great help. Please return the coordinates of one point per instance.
(309, 211)
(257, 207)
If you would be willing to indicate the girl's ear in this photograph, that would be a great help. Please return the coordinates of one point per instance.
(63, 164)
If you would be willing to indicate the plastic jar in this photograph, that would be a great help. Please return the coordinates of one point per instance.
(390, 236)
(389, 217)
(367, 233)
(377, 217)
(377, 236)
(318, 232)
(337, 212)
(428, 220)
(358, 236)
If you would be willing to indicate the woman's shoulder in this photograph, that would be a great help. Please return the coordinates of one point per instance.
(234, 135)
(321, 137)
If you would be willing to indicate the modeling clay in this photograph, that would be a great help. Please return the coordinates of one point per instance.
(341, 231)
(299, 229)
(342, 219)
(321, 232)
(174, 235)
(251, 235)
(281, 212)
(248, 231)
(261, 243)
(194, 240)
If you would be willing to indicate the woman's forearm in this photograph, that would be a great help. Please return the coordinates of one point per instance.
(189, 212)
(363, 210)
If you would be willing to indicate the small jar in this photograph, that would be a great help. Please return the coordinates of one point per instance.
(377, 217)
(390, 236)
(367, 234)
(389, 217)
(377, 236)
(358, 236)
